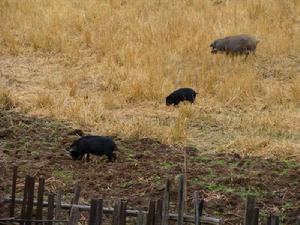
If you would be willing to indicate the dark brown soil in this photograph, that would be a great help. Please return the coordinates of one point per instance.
(37, 146)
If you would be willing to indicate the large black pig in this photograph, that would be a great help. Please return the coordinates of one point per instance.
(96, 145)
(181, 94)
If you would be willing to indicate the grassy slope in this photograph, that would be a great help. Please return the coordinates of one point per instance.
(107, 66)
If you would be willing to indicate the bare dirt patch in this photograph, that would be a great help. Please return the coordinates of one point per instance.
(37, 146)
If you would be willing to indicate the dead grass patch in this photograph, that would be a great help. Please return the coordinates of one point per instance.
(111, 71)
(7, 101)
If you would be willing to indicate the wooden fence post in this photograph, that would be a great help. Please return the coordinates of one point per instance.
(166, 203)
(249, 212)
(96, 212)
(115, 219)
(40, 199)
(30, 199)
(201, 207)
(119, 214)
(75, 199)
(77, 190)
(93, 212)
(298, 220)
(74, 216)
(151, 213)
(256, 216)
(58, 209)
(181, 200)
(25, 196)
(122, 213)
(58, 215)
(141, 218)
(269, 220)
(274, 220)
(100, 212)
(196, 208)
(158, 212)
(50, 212)
(13, 192)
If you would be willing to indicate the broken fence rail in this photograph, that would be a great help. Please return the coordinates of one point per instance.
(129, 212)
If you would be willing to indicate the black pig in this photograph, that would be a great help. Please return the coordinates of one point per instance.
(181, 94)
(96, 145)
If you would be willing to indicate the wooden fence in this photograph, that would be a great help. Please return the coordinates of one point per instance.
(252, 214)
(157, 213)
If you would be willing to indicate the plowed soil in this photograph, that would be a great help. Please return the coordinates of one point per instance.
(37, 146)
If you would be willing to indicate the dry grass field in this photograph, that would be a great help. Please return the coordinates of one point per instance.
(106, 66)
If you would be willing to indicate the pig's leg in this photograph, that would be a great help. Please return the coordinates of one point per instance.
(80, 157)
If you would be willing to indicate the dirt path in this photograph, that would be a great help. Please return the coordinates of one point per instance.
(37, 146)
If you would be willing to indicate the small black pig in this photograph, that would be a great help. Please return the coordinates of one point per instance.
(96, 145)
(181, 94)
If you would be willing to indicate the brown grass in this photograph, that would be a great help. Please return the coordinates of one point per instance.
(108, 65)
(6, 100)
(295, 90)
